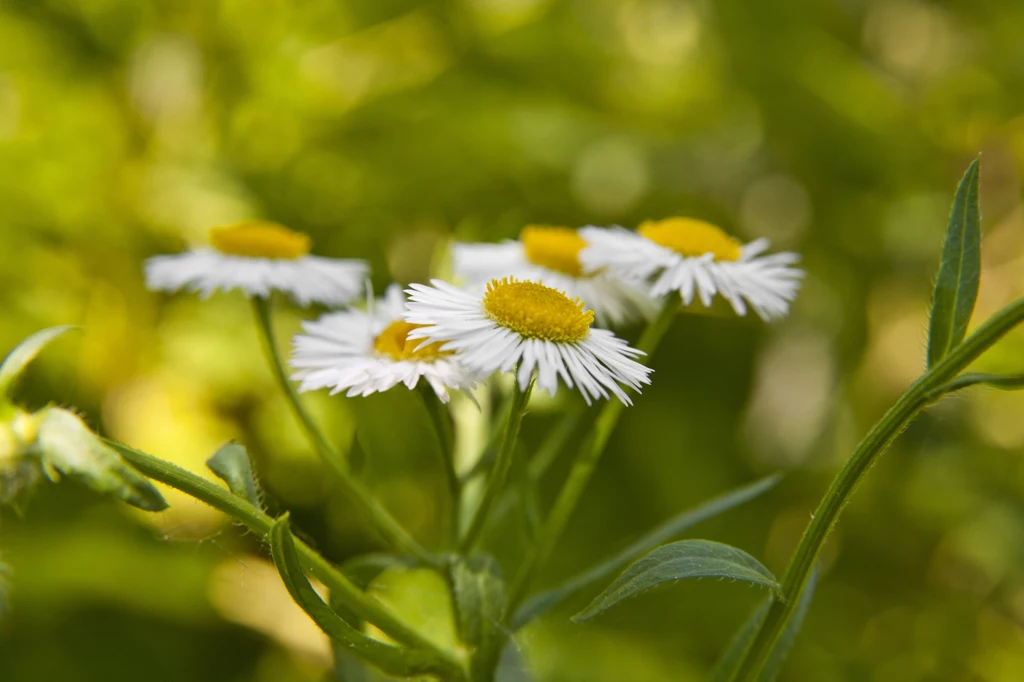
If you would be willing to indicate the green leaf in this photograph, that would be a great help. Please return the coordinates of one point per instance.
(364, 569)
(1010, 382)
(232, 465)
(392, 660)
(956, 287)
(479, 595)
(733, 654)
(16, 361)
(67, 447)
(684, 559)
(545, 601)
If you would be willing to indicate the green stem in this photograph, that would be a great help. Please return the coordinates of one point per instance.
(362, 605)
(926, 390)
(499, 472)
(442, 421)
(490, 451)
(381, 519)
(584, 466)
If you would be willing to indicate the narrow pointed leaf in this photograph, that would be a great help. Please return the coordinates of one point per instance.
(733, 654)
(545, 601)
(16, 361)
(479, 595)
(684, 559)
(232, 465)
(956, 287)
(67, 447)
(390, 659)
(1010, 382)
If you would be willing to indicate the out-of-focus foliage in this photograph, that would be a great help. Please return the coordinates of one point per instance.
(838, 129)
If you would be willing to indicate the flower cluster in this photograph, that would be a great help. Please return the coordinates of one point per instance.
(538, 306)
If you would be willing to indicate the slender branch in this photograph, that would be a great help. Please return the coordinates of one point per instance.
(920, 394)
(583, 467)
(381, 519)
(362, 605)
(442, 421)
(490, 451)
(499, 472)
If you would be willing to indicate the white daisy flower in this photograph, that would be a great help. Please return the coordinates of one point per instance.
(368, 351)
(258, 258)
(529, 324)
(694, 257)
(551, 255)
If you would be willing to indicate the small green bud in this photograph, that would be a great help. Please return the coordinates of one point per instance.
(68, 447)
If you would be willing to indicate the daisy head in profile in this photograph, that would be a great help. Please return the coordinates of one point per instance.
(526, 324)
(359, 352)
(551, 255)
(695, 258)
(259, 258)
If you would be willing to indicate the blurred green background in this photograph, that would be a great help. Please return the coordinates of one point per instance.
(382, 127)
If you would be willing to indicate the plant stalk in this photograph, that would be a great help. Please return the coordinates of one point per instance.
(441, 419)
(385, 524)
(502, 465)
(930, 387)
(342, 589)
(584, 466)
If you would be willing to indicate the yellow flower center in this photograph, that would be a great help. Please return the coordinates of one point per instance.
(692, 238)
(555, 248)
(258, 239)
(536, 311)
(394, 343)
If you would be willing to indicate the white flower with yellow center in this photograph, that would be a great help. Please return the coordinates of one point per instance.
(258, 258)
(530, 325)
(693, 257)
(551, 255)
(368, 351)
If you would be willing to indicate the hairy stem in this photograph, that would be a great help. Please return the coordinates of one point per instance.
(342, 589)
(441, 418)
(921, 393)
(499, 472)
(583, 467)
(385, 524)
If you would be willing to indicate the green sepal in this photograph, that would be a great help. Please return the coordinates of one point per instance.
(678, 560)
(392, 660)
(67, 447)
(232, 465)
(956, 287)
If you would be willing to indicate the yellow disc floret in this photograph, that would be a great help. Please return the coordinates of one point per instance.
(536, 311)
(395, 343)
(257, 239)
(555, 248)
(692, 238)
